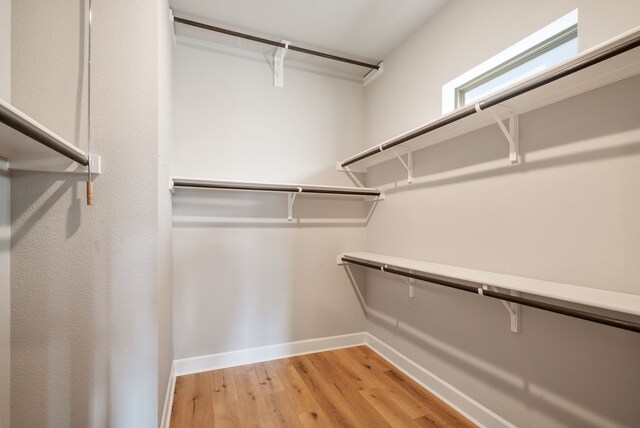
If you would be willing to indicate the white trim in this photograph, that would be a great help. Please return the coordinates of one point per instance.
(465, 405)
(168, 398)
(265, 353)
(557, 26)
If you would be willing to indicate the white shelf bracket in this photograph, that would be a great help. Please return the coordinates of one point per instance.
(173, 26)
(512, 308)
(351, 173)
(512, 134)
(407, 165)
(373, 74)
(411, 282)
(291, 198)
(278, 64)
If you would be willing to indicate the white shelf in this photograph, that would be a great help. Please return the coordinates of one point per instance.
(27, 144)
(611, 300)
(608, 71)
(178, 182)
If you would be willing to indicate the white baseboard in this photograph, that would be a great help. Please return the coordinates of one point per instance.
(455, 398)
(265, 353)
(168, 398)
(465, 405)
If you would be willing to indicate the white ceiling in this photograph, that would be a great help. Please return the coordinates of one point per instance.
(362, 29)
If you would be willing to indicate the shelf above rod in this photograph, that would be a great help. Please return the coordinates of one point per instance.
(599, 54)
(19, 132)
(273, 187)
(478, 282)
(291, 47)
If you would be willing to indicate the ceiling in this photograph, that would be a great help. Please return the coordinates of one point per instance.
(362, 29)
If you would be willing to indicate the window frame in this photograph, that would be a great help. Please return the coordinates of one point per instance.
(553, 35)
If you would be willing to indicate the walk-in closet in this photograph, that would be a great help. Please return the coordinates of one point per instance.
(295, 213)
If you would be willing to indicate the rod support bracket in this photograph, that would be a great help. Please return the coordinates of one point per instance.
(411, 283)
(512, 308)
(173, 26)
(512, 134)
(351, 173)
(291, 199)
(278, 64)
(373, 74)
(408, 165)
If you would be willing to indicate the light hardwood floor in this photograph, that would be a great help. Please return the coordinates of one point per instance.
(352, 387)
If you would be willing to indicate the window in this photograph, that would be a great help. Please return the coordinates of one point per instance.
(551, 45)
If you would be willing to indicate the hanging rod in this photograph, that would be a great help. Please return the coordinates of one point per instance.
(272, 42)
(273, 187)
(477, 288)
(623, 44)
(25, 125)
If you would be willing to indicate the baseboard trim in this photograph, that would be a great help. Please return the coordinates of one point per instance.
(465, 405)
(265, 353)
(168, 398)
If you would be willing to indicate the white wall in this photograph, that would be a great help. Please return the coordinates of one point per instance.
(5, 50)
(5, 222)
(243, 285)
(165, 292)
(569, 214)
(5, 294)
(84, 279)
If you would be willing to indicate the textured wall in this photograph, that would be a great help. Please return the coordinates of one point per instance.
(165, 296)
(243, 285)
(5, 294)
(5, 222)
(569, 213)
(5, 50)
(84, 298)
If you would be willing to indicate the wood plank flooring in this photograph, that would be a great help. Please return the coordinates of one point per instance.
(352, 387)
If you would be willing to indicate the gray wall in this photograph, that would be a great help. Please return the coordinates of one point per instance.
(241, 280)
(569, 214)
(84, 280)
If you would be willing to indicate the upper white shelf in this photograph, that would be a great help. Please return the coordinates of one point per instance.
(611, 300)
(273, 187)
(604, 64)
(29, 145)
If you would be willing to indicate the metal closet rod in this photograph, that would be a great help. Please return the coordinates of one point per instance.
(501, 97)
(26, 128)
(272, 42)
(283, 188)
(476, 288)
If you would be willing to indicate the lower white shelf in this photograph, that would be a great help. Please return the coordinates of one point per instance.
(614, 301)
(292, 190)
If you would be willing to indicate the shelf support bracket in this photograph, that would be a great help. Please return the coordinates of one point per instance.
(278, 64)
(291, 198)
(512, 134)
(411, 282)
(512, 308)
(407, 165)
(173, 26)
(373, 74)
(351, 173)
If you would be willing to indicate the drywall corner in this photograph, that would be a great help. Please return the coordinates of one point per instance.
(5, 297)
